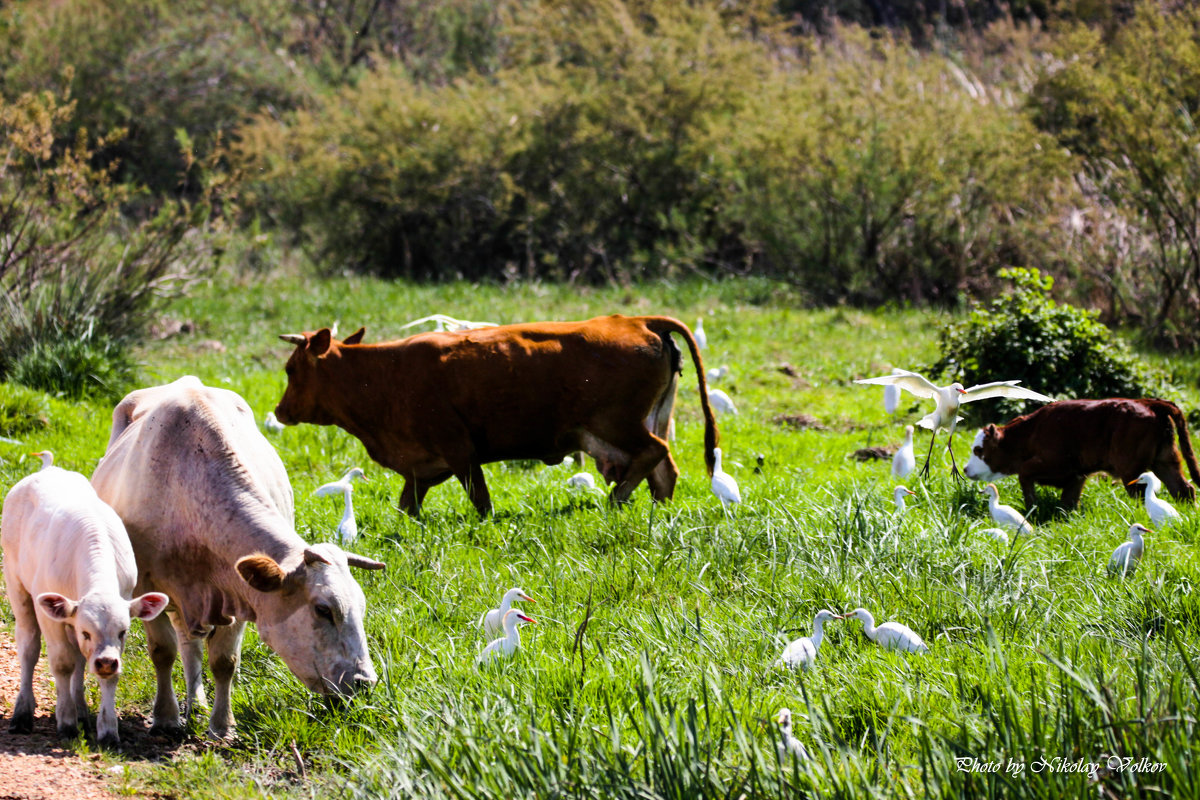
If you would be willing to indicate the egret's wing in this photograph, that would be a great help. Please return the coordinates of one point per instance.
(328, 489)
(431, 318)
(910, 382)
(1003, 389)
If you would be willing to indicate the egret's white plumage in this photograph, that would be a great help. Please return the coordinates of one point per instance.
(582, 482)
(699, 335)
(1005, 516)
(1125, 557)
(716, 373)
(490, 621)
(905, 460)
(445, 323)
(889, 635)
(948, 399)
(348, 527)
(788, 745)
(1161, 512)
(47, 458)
(721, 402)
(339, 486)
(271, 424)
(723, 484)
(891, 398)
(507, 644)
(802, 652)
(997, 534)
(898, 495)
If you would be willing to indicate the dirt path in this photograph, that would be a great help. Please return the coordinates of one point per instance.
(36, 766)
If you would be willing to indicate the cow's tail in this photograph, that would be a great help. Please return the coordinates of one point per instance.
(665, 325)
(1185, 442)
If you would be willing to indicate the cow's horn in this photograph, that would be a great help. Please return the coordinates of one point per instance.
(362, 562)
(294, 338)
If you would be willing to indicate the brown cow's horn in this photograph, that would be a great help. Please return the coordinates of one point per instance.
(362, 562)
(294, 338)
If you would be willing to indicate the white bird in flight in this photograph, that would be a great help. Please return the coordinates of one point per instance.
(788, 745)
(1161, 512)
(802, 652)
(699, 335)
(898, 496)
(507, 644)
(889, 635)
(348, 527)
(948, 399)
(491, 619)
(1005, 516)
(905, 460)
(271, 424)
(1125, 557)
(47, 458)
(723, 484)
(721, 402)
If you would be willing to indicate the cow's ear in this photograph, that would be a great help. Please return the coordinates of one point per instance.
(312, 557)
(318, 343)
(56, 606)
(989, 432)
(261, 572)
(148, 606)
(355, 337)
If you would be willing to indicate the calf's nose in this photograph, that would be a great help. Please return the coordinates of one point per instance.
(107, 667)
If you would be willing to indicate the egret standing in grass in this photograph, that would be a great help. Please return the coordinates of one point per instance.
(721, 402)
(788, 745)
(271, 424)
(1161, 512)
(1125, 557)
(47, 458)
(716, 373)
(723, 484)
(995, 534)
(699, 335)
(491, 620)
(898, 495)
(889, 635)
(948, 399)
(348, 527)
(905, 460)
(582, 482)
(1005, 516)
(507, 644)
(802, 652)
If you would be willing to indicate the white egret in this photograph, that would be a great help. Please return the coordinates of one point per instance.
(891, 398)
(699, 335)
(271, 424)
(898, 495)
(802, 652)
(445, 323)
(721, 402)
(948, 399)
(491, 619)
(1161, 512)
(723, 484)
(788, 745)
(47, 458)
(507, 644)
(1125, 557)
(905, 460)
(997, 534)
(582, 482)
(348, 527)
(1005, 516)
(716, 373)
(889, 635)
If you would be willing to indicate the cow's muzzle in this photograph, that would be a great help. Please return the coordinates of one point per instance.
(106, 667)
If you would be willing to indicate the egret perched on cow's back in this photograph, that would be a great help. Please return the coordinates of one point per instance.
(723, 484)
(1005, 516)
(898, 495)
(721, 402)
(788, 745)
(889, 635)
(348, 527)
(948, 399)
(699, 335)
(271, 424)
(1161, 512)
(507, 644)
(491, 620)
(1125, 557)
(802, 652)
(46, 456)
(905, 460)
(445, 323)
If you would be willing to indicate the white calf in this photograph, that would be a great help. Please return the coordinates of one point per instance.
(70, 574)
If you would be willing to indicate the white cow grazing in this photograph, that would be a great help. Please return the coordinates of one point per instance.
(70, 575)
(208, 507)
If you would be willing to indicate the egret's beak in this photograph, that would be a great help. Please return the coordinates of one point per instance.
(39, 453)
(961, 391)
(527, 619)
(528, 599)
(1131, 483)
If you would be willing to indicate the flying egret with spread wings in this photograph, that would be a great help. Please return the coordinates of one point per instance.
(948, 399)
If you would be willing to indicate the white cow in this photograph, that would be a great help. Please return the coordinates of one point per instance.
(208, 507)
(70, 575)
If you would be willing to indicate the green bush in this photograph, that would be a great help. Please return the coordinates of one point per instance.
(1054, 349)
(76, 368)
(22, 410)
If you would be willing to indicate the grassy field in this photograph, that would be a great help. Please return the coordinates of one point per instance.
(1038, 661)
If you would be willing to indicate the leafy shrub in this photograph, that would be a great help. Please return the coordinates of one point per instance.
(22, 410)
(1054, 349)
(75, 368)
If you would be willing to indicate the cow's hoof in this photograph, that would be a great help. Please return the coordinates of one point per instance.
(68, 731)
(171, 730)
(21, 723)
(110, 741)
(224, 735)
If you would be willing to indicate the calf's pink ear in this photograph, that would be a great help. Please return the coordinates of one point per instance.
(261, 572)
(148, 606)
(56, 606)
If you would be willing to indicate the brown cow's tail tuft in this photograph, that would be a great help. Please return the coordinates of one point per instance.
(712, 437)
(1185, 442)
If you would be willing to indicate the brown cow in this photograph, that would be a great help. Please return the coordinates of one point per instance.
(1062, 443)
(437, 405)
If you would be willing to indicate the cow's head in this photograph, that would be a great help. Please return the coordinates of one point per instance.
(307, 380)
(987, 455)
(312, 616)
(101, 622)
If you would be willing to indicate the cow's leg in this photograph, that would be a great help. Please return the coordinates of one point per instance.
(163, 647)
(662, 478)
(471, 478)
(29, 647)
(224, 652)
(1169, 468)
(1072, 492)
(412, 497)
(106, 718)
(77, 691)
(63, 659)
(1028, 491)
(192, 655)
(646, 450)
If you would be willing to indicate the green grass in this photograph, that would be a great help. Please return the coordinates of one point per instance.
(671, 691)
